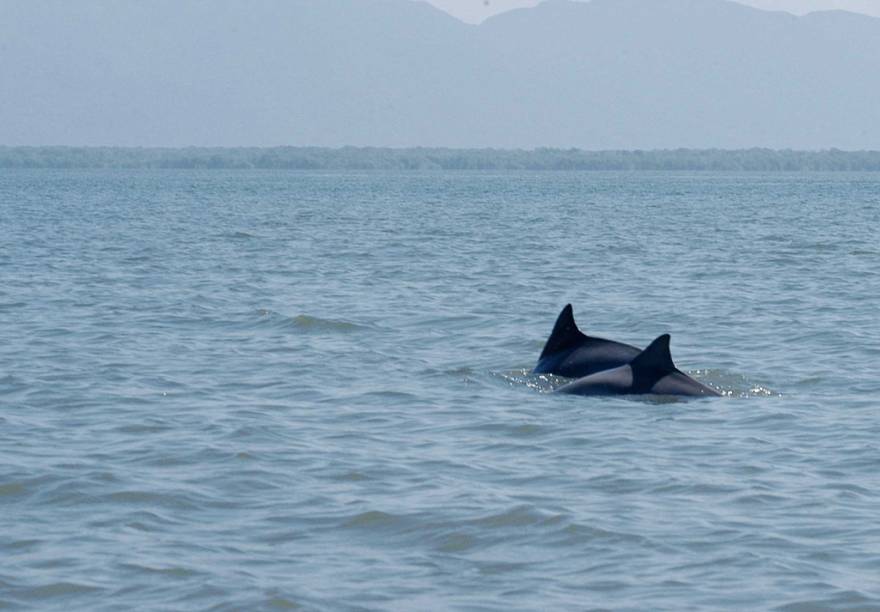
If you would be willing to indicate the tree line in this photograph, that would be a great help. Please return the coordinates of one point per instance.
(373, 158)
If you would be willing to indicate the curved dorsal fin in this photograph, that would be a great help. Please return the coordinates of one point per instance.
(656, 357)
(565, 333)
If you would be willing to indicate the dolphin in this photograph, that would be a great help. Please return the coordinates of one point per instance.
(572, 354)
(651, 372)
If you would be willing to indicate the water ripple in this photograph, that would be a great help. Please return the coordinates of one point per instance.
(296, 390)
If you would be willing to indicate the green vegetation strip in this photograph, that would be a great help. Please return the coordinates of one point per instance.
(356, 158)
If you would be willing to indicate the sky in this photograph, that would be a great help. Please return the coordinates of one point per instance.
(649, 74)
(474, 11)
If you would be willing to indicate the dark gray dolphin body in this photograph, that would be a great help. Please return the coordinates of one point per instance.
(572, 354)
(651, 372)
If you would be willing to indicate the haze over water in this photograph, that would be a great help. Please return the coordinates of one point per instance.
(264, 390)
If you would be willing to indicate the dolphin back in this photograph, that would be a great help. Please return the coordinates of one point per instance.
(652, 371)
(571, 353)
(565, 334)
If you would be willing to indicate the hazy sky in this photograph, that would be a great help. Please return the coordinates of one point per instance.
(477, 10)
(650, 74)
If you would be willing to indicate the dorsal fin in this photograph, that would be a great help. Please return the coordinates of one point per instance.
(565, 333)
(655, 358)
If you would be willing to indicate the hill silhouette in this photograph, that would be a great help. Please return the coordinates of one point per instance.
(607, 74)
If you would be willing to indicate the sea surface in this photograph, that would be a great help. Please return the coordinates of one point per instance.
(245, 390)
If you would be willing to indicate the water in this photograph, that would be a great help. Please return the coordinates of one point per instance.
(252, 390)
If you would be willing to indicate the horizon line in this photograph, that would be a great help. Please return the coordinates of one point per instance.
(536, 149)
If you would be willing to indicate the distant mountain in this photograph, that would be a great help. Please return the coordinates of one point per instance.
(607, 74)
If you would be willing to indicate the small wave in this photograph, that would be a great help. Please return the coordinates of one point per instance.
(238, 236)
(373, 519)
(59, 590)
(759, 499)
(543, 383)
(282, 603)
(578, 534)
(843, 600)
(731, 384)
(462, 372)
(308, 323)
(141, 499)
(351, 476)
(495, 568)
(456, 543)
(519, 516)
(12, 489)
(161, 572)
(500, 429)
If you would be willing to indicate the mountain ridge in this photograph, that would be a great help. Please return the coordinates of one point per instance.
(608, 74)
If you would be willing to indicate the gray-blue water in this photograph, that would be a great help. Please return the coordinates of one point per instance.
(255, 390)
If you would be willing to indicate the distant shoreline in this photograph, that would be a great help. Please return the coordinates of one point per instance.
(414, 159)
